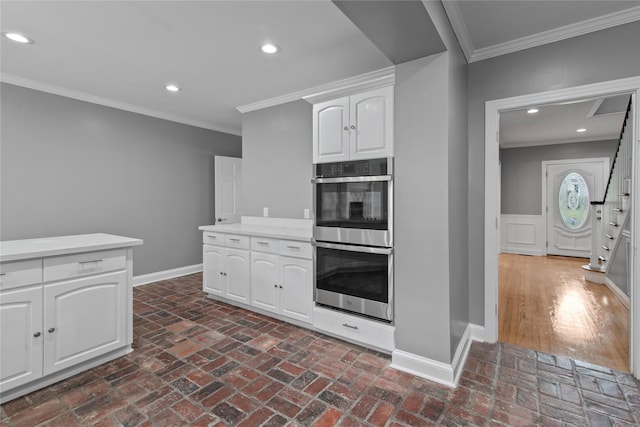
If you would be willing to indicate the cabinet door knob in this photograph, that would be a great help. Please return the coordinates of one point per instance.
(280, 286)
(52, 330)
(37, 334)
(275, 286)
(353, 127)
(221, 273)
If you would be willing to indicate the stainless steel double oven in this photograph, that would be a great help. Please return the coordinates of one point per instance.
(353, 236)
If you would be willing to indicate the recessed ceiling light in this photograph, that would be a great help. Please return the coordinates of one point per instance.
(581, 130)
(532, 110)
(18, 38)
(172, 88)
(269, 48)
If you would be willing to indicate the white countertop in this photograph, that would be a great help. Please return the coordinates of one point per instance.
(14, 250)
(277, 232)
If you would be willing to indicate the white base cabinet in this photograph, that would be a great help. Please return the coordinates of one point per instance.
(282, 285)
(272, 275)
(60, 315)
(226, 270)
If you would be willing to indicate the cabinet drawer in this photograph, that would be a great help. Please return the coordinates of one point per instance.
(68, 266)
(263, 244)
(236, 241)
(295, 249)
(210, 238)
(20, 273)
(356, 329)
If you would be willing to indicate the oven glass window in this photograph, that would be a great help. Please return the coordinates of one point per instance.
(357, 274)
(352, 205)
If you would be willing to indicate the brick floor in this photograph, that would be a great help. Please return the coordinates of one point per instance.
(200, 362)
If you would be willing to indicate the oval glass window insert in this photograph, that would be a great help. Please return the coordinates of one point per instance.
(573, 200)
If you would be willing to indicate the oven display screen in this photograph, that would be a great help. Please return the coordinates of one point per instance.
(357, 274)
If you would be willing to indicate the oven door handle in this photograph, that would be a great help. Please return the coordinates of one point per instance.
(351, 248)
(352, 179)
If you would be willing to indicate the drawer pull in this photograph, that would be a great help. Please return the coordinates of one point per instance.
(212, 237)
(263, 243)
(37, 334)
(293, 247)
(346, 325)
(52, 330)
(3, 274)
(90, 261)
(235, 240)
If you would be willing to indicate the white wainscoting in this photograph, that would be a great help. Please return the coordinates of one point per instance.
(523, 234)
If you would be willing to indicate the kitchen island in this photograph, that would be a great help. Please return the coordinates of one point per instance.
(65, 307)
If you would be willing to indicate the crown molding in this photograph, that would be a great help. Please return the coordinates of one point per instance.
(452, 10)
(382, 77)
(577, 29)
(82, 96)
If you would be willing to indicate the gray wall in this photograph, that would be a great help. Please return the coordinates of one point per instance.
(458, 199)
(276, 162)
(421, 222)
(72, 167)
(604, 55)
(521, 181)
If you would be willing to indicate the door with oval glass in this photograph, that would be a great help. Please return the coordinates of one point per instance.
(570, 187)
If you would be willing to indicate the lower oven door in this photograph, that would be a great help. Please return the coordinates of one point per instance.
(354, 278)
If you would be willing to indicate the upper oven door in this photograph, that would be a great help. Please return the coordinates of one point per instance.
(354, 209)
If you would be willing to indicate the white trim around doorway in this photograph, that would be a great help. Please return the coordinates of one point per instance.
(492, 215)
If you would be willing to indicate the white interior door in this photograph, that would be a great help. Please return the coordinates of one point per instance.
(570, 187)
(228, 178)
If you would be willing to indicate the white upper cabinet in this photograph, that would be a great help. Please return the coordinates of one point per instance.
(354, 127)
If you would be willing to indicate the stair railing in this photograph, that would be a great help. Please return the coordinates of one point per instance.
(605, 213)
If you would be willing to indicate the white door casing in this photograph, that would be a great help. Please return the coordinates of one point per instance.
(227, 187)
(568, 235)
(492, 123)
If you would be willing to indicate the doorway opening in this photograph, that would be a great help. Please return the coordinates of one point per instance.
(494, 233)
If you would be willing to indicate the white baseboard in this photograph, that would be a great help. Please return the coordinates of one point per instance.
(522, 234)
(477, 332)
(624, 299)
(144, 279)
(443, 373)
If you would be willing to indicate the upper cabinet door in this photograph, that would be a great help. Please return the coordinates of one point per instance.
(331, 131)
(371, 119)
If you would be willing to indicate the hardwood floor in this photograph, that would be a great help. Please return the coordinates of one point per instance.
(545, 304)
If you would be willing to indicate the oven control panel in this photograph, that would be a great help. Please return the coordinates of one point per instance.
(371, 167)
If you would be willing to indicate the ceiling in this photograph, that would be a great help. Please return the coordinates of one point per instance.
(122, 53)
(602, 119)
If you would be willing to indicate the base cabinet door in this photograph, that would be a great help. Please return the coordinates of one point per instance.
(264, 281)
(21, 337)
(296, 296)
(84, 318)
(237, 274)
(212, 275)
